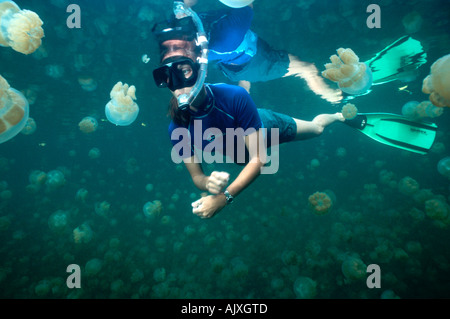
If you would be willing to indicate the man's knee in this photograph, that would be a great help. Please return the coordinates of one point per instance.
(319, 129)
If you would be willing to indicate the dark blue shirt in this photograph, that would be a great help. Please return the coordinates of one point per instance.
(227, 107)
(227, 31)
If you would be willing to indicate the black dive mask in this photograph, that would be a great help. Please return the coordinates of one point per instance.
(177, 73)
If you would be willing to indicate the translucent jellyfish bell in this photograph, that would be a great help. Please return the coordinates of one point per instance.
(14, 111)
(19, 29)
(320, 203)
(409, 109)
(349, 111)
(236, 3)
(94, 153)
(353, 77)
(152, 209)
(93, 267)
(87, 83)
(443, 167)
(122, 110)
(55, 179)
(353, 268)
(428, 109)
(305, 288)
(437, 84)
(88, 125)
(416, 111)
(83, 234)
(58, 221)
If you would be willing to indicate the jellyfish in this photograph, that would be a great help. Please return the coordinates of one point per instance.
(43, 288)
(149, 187)
(416, 111)
(81, 195)
(94, 153)
(136, 276)
(122, 110)
(102, 208)
(314, 163)
(239, 268)
(87, 83)
(146, 14)
(30, 127)
(55, 179)
(88, 125)
(349, 111)
(5, 194)
(428, 109)
(37, 177)
(159, 274)
(443, 167)
(93, 267)
(54, 71)
(305, 288)
(389, 294)
(341, 152)
(236, 3)
(152, 209)
(412, 22)
(320, 203)
(83, 234)
(20, 29)
(353, 268)
(353, 77)
(437, 83)
(408, 185)
(14, 111)
(145, 59)
(409, 109)
(437, 209)
(58, 221)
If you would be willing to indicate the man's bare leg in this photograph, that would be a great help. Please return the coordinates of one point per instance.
(310, 129)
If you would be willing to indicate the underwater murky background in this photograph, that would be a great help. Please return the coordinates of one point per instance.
(269, 243)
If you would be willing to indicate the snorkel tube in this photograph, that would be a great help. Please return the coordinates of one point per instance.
(181, 10)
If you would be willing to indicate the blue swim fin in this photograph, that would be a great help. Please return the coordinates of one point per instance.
(399, 60)
(396, 131)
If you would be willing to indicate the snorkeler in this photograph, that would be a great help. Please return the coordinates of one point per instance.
(218, 107)
(206, 114)
(243, 57)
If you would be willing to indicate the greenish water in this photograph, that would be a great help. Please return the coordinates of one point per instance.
(269, 238)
